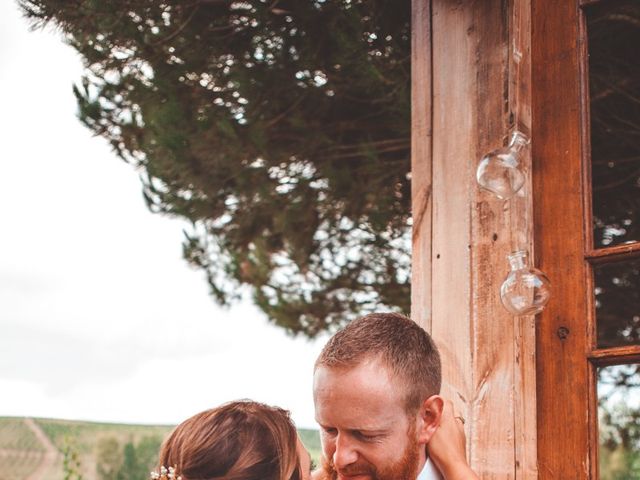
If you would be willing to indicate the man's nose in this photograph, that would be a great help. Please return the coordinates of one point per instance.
(345, 454)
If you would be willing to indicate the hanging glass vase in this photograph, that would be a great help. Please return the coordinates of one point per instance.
(500, 170)
(526, 290)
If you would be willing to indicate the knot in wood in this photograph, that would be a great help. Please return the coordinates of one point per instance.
(563, 333)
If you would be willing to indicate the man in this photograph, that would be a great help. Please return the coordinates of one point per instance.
(376, 394)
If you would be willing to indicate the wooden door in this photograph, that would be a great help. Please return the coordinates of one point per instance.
(586, 177)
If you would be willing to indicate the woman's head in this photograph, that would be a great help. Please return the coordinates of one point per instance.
(240, 440)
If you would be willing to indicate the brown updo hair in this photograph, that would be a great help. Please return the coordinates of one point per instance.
(241, 440)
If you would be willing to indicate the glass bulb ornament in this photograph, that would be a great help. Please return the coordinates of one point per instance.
(500, 172)
(526, 290)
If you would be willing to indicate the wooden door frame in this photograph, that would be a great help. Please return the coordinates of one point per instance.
(564, 375)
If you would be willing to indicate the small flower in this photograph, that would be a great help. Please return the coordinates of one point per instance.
(165, 474)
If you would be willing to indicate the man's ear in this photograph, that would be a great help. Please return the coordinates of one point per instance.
(429, 417)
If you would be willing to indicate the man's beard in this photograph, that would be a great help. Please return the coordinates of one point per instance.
(405, 469)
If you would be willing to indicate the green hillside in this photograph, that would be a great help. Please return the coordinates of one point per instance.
(97, 451)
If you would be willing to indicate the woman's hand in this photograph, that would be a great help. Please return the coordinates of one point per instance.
(447, 447)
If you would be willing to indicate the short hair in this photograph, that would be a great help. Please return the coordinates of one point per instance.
(405, 348)
(241, 440)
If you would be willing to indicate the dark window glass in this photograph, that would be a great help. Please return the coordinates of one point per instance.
(619, 421)
(614, 81)
(617, 292)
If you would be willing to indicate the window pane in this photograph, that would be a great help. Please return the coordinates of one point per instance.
(614, 80)
(617, 292)
(619, 421)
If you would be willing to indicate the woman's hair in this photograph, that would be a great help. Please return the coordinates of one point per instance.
(241, 440)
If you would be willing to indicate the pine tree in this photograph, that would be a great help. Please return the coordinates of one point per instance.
(279, 129)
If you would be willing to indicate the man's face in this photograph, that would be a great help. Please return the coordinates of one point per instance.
(365, 430)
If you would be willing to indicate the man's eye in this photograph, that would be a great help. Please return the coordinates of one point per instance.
(330, 431)
(366, 438)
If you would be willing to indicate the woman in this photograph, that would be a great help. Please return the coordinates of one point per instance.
(245, 440)
(241, 440)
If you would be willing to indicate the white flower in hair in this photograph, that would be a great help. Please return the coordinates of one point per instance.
(165, 474)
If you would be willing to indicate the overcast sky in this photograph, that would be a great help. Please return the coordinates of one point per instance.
(100, 317)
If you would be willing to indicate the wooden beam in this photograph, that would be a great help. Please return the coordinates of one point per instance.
(522, 231)
(461, 235)
(616, 355)
(421, 158)
(454, 46)
(619, 252)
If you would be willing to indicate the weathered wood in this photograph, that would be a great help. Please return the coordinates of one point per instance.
(421, 158)
(521, 227)
(478, 90)
(493, 349)
(563, 372)
(453, 150)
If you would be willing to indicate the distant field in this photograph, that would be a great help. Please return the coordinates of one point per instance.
(20, 450)
(95, 444)
(86, 435)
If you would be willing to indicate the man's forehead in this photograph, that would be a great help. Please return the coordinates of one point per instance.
(367, 370)
(358, 398)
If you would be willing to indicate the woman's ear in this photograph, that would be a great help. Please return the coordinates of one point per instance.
(429, 417)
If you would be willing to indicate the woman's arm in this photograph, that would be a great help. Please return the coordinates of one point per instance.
(447, 447)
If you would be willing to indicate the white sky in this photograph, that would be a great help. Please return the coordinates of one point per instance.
(100, 317)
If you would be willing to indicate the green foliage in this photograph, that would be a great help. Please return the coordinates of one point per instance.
(279, 129)
(133, 461)
(130, 468)
(619, 422)
(71, 466)
(140, 459)
(108, 458)
(619, 464)
(147, 450)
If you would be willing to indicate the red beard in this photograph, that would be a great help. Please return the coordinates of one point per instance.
(405, 469)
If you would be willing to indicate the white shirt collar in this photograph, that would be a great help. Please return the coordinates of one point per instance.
(429, 472)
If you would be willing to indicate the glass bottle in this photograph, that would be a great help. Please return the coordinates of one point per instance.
(526, 290)
(500, 172)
